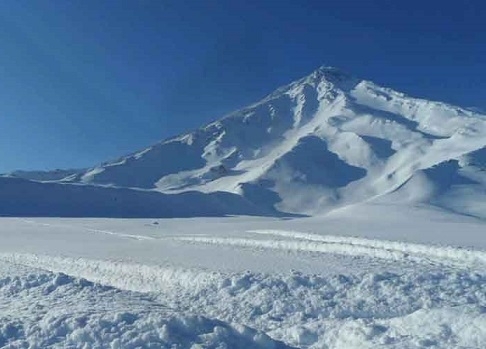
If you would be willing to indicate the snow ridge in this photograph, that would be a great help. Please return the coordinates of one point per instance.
(412, 309)
(35, 315)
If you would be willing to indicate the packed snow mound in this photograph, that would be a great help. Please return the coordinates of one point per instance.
(53, 310)
(419, 307)
(325, 141)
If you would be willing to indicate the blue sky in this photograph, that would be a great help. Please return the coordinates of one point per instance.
(82, 82)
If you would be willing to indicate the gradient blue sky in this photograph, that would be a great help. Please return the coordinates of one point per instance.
(86, 81)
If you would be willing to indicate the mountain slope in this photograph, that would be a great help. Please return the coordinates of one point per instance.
(20, 197)
(325, 141)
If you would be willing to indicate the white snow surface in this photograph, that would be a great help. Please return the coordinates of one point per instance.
(347, 280)
(42, 309)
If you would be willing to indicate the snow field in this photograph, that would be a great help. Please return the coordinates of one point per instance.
(244, 283)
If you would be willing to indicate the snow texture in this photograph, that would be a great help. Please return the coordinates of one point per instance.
(230, 283)
(53, 310)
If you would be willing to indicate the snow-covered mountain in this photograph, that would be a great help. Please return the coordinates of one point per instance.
(320, 143)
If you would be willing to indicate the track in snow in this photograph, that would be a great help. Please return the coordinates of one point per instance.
(90, 230)
(351, 246)
(277, 240)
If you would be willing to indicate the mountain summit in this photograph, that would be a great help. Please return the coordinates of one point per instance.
(323, 142)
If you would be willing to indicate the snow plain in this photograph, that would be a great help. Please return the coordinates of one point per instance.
(347, 280)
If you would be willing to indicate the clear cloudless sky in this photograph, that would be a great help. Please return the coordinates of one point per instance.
(86, 81)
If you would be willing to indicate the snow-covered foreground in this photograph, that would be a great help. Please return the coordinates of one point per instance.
(343, 281)
(41, 309)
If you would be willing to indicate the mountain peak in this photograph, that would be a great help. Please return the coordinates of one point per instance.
(330, 74)
(331, 70)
